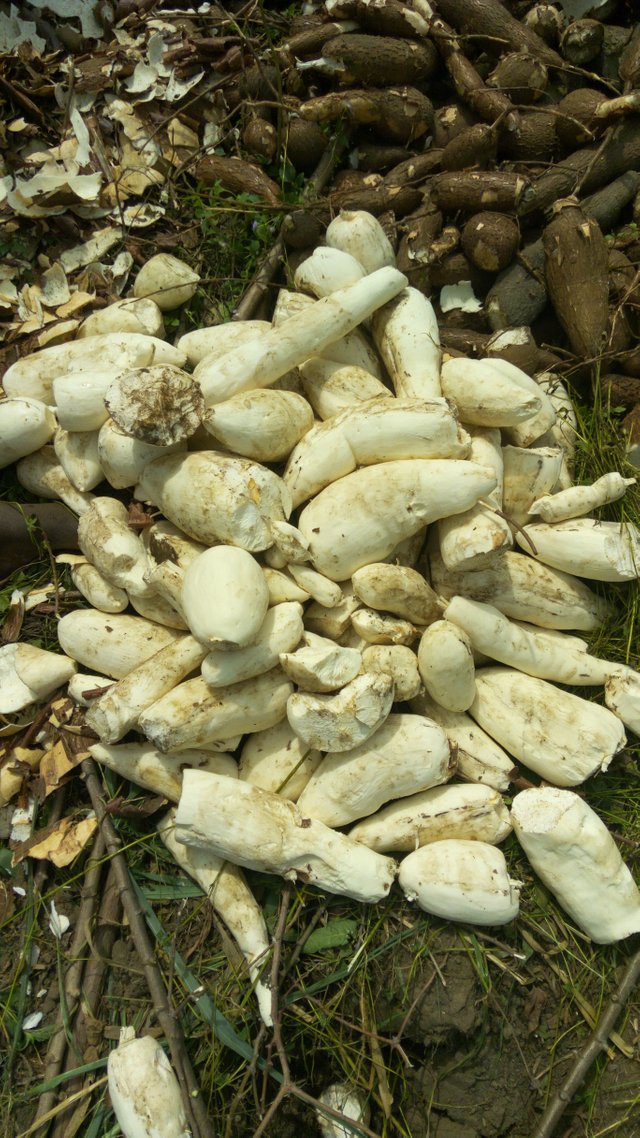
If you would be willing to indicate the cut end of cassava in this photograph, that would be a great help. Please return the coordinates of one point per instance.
(160, 405)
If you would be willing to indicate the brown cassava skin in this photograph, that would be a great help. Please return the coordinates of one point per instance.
(520, 294)
(490, 240)
(381, 61)
(398, 114)
(238, 176)
(577, 275)
(589, 168)
(474, 147)
(490, 18)
(472, 191)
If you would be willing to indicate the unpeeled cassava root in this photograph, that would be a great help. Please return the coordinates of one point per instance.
(260, 584)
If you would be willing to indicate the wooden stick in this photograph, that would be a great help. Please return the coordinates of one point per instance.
(596, 1044)
(273, 259)
(73, 980)
(167, 1018)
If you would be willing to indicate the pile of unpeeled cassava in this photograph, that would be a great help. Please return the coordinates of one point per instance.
(467, 121)
(350, 623)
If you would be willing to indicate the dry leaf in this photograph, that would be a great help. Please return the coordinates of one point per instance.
(59, 844)
(56, 765)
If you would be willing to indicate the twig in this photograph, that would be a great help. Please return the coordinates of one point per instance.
(596, 1044)
(273, 259)
(100, 942)
(193, 1101)
(58, 1043)
(288, 1087)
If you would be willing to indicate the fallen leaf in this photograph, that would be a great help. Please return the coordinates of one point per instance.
(56, 764)
(59, 844)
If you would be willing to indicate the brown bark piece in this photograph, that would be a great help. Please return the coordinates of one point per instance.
(576, 269)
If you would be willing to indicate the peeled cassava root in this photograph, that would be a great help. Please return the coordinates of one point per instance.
(289, 605)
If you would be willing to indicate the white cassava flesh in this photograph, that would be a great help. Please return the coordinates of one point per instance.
(526, 432)
(326, 270)
(77, 453)
(396, 589)
(153, 606)
(111, 644)
(41, 474)
(564, 432)
(25, 426)
(361, 518)
(262, 831)
(527, 473)
(29, 674)
(383, 430)
(324, 591)
(124, 458)
(397, 661)
(462, 881)
(119, 709)
(493, 634)
(360, 234)
(278, 761)
(382, 627)
(228, 891)
(578, 500)
(405, 755)
(347, 1099)
(468, 540)
(280, 632)
(195, 715)
(33, 375)
(107, 541)
(588, 547)
(282, 587)
(560, 736)
(134, 314)
(290, 544)
(622, 697)
(159, 405)
(214, 497)
(259, 363)
(320, 665)
(478, 756)
(340, 721)
(264, 424)
(144, 1091)
(334, 622)
(225, 597)
(524, 589)
(84, 688)
(218, 338)
(332, 387)
(406, 333)
(161, 774)
(79, 398)
(95, 588)
(484, 396)
(571, 849)
(468, 811)
(353, 350)
(445, 663)
(169, 281)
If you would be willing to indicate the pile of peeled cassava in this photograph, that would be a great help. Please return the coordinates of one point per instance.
(360, 607)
